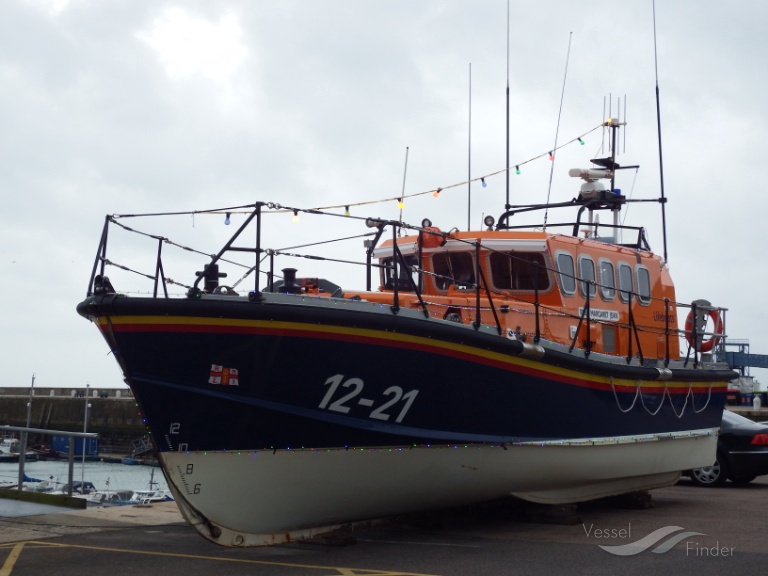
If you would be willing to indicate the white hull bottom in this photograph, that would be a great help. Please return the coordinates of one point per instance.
(259, 498)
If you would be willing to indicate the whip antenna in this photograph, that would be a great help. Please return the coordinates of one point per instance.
(663, 199)
(469, 154)
(507, 206)
(402, 194)
(557, 129)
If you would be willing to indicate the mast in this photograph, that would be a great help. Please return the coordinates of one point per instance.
(663, 199)
(507, 205)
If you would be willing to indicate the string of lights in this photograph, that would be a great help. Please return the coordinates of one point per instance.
(400, 198)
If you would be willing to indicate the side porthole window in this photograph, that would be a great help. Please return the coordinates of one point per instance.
(607, 280)
(625, 281)
(567, 272)
(643, 285)
(587, 276)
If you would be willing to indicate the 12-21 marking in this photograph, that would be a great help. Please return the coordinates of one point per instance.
(343, 404)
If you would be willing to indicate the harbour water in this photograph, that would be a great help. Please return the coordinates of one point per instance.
(103, 475)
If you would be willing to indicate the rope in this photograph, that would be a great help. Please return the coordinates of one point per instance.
(616, 396)
(693, 399)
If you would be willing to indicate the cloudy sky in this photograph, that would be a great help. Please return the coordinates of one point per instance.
(151, 106)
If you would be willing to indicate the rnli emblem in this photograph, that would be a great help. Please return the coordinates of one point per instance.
(222, 376)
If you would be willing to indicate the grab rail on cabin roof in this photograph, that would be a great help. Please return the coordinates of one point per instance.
(604, 201)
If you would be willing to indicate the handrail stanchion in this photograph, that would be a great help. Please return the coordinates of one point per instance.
(271, 273)
(159, 272)
(101, 255)
(588, 343)
(395, 273)
(629, 326)
(695, 335)
(258, 248)
(537, 337)
(666, 332)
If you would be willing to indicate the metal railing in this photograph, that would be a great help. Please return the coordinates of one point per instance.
(485, 296)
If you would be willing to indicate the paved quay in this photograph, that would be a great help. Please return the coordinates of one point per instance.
(695, 530)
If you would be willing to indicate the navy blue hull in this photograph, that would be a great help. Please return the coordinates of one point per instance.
(207, 385)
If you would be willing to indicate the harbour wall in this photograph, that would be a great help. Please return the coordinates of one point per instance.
(112, 413)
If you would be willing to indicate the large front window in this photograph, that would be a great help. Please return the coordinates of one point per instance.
(457, 268)
(519, 271)
(404, 275)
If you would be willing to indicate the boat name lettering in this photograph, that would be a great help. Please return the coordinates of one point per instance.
(598, 314)
(344, 402)
(661, 317)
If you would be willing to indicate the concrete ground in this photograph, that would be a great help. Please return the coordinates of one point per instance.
(695, 530)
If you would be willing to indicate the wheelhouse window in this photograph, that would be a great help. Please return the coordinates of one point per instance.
(567, 272)
(587, 277)
(457, 268)
(643, 285)
(519, 271)
(607, 279)
(404, 274)
(625, 281)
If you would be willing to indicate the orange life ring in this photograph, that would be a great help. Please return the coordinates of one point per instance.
(703, 345)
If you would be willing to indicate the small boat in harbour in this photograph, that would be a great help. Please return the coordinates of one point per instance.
(540, 361)
(10, 450)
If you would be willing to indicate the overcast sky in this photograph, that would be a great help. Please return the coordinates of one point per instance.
(131, 106)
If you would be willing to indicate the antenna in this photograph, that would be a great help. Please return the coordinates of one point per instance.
(663, 198)
(624, 132)
(616, 152)
(557, 129)
(402, 194)
(469, 154)
(507, 206)
(602, 120)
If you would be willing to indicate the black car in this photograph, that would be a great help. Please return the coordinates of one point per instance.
(742, 453)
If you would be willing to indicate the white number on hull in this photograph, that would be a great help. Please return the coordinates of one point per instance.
(345, 404)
